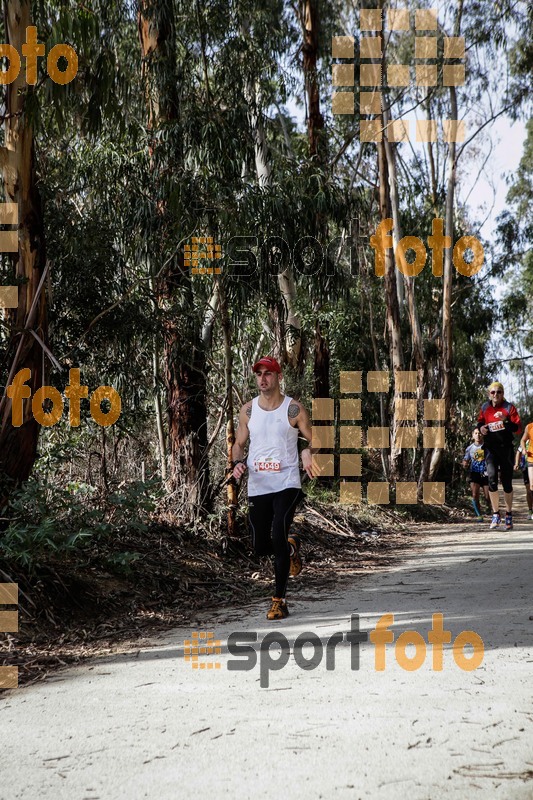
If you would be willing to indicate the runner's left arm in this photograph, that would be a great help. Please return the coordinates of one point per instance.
(522, 445)
(304, 426)
(514, 422)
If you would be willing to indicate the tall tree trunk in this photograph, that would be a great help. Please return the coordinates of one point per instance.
(231, 486)
(158, 409)
(321, 385)
(291, 324)
(446, 365)
(18, 446)
(156, 382)
(315, 120)
(406, 280)
(184, 355)
(377, 366)
(392, 310)
(308, 12)
(390, 153)
(428, 369)
(447, 342)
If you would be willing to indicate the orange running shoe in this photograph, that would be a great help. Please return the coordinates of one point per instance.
(278, 609)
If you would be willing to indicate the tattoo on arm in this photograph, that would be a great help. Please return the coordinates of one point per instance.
(294, 410)
(249, 411)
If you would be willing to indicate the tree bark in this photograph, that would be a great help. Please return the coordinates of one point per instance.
(315, 120)
(18, 446)
(392, 310)
(321, 385)
(292, 326)
(231, 485)
(447, 342)
(406, 280)
(308, 12)
(183, 352)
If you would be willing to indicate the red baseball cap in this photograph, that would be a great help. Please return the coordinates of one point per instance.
(269, 363)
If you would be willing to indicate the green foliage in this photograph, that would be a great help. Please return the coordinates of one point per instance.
(47, 521)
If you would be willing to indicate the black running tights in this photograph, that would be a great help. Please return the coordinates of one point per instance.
(270, 518)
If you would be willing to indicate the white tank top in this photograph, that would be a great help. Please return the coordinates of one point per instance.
(272, 461)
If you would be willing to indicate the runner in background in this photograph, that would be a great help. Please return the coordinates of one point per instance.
(498, 421)
(524, 448)
(474, 458)
(521, 464)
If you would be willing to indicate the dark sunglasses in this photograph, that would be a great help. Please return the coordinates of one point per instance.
(496, 391)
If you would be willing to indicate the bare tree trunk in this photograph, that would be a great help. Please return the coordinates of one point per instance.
(263, 167)
(428, 453)
(408, 281)
(158, 409)
(309, 20)
(447, 343)
(18, 446)
(232, 493)
(184, 355)
(315, 120)
(395, 207)
(292, 324)
(392, 310)
(377, 366)
(321, 386)
(156, 381)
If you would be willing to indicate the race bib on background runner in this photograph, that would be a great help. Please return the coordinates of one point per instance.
(496, 426)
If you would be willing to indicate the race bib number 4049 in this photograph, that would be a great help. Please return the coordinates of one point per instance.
(269, 465)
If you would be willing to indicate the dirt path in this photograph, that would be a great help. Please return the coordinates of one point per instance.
(146, 724)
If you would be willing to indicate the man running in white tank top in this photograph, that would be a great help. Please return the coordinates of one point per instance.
(273, 423)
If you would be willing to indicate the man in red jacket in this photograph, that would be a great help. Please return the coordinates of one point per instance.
(498, 421)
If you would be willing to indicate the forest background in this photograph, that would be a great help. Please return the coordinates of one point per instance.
(214, 119)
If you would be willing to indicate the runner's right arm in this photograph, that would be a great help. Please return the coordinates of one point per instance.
(241, 437)
(523, 441)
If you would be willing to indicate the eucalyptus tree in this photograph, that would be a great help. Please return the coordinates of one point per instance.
(28, 108)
